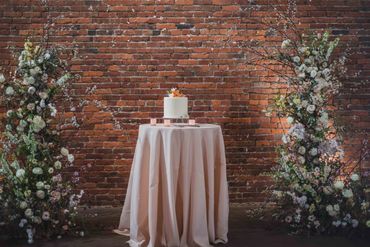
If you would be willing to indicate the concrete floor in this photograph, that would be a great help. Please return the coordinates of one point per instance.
(242, 233)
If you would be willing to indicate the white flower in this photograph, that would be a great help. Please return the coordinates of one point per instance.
(53, 110)
(40, 194)
(39, 185)
(2, 78)
(355, 177)
(37, 171)
(290, 120)
(51, 170)
(313, 151)
(331, 210)
(36, 220)
(29, 80)
(302, 75)
(326, 73)
(301, 160)
(368, 223)
(20, 173)
(285, 139)
(46, 216)
(339, 185)
(70, 158)
(9, 113)
(285, 43)
(31, 90)
(38, 123)
(30, 106)
(311, 217)
(9, 91)
(64, 151)
(43, 95)
(296, 59)
(327, 190)
(336, 207)
(28, 212)
(42, 103)
(46, 56)
(58, 165)
(313, 73)
(311, 108)
(302, 150)
(23, 205)
(347, 193)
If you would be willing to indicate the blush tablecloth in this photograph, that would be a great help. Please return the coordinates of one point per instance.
(177, 193)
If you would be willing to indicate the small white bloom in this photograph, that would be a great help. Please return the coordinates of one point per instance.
(339, 185)
(311, 108)
(70, 158)
(290, 120)
(31, 90)
(28, 212)
(58, 165)
(43, 95)
(64, 151)
(313, 151)
(354, 223)
(296, 59)
(30, 106)
(47, 56)
(2, 78)
(285, 43)
(347, 193)
(39, 185)
(301, 160)
(51, 170)
(313, 73)
(23, 205)
(355, 177)
(40, 194)
(37, 171)
(337, 223)
(302, 150)
(336, 207)
(9, 91)
(20, 173)
(38, 123)
(288, 219)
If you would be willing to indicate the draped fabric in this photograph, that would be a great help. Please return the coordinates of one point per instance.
(177, 193)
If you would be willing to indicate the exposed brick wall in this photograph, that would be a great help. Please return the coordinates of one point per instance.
(135, 50)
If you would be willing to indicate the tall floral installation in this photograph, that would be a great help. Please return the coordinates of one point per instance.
(315, 188)
(318, 192)
(37, 193)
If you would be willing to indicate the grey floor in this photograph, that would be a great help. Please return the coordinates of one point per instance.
(242, 233)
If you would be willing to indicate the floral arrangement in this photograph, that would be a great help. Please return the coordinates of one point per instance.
(175, 92)
(318, 191)
(37, 197)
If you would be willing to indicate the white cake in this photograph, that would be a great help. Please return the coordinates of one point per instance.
(175, 107)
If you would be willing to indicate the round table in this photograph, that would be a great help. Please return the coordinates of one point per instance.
(177, 193)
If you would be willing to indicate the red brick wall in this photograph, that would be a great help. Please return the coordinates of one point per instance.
(135, 50)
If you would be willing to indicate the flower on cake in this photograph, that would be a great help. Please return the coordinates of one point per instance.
(175, 92)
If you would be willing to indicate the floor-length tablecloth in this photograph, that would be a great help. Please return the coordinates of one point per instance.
(177, 193)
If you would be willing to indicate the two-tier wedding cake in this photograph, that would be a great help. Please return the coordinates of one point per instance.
(175, 105)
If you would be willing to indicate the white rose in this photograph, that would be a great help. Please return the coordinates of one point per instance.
(58, 165)
(301, 160)
(302, 150)
(70, 158)
(38, 123)
(296, 59)
(46, 56)
(2, 78)
(313, 151)
(23, 205)
(40, 194)
(285, 43)
(313, 73)
(9, 91)
(347, 193)
(20, 173)
(355, 177)
(311, 108)
(336, 207)
(31, 90)
(40, 185)
(290, 120)
(28, 212)
(51, 170)
(43, 95)
(37, 171)
(339, 185)
(64, 151)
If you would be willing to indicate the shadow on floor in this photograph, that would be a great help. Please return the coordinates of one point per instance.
(242, 233)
